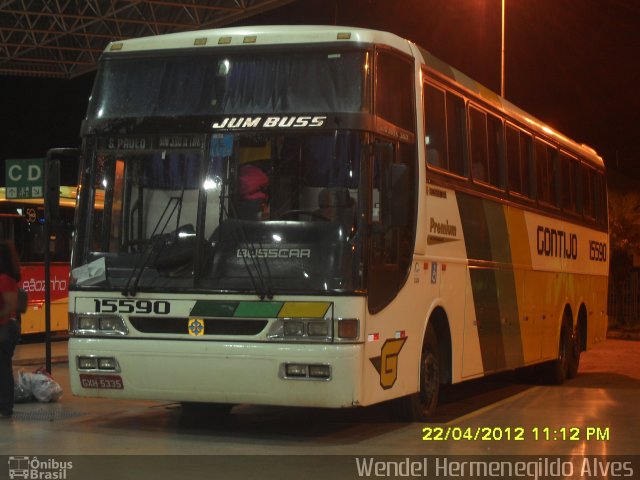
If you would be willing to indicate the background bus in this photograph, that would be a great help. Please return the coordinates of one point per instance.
(21, 222)
(323, 216)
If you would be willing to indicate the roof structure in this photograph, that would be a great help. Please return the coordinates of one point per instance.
(64, 38)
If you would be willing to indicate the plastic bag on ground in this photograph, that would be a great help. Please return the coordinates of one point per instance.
(40, 385)
(44, 388)
(20, 392)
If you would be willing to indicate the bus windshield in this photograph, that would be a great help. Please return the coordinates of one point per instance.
(205, 83)
(245, 212)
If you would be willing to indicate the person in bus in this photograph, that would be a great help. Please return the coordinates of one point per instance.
(9, 327)
(253, 192)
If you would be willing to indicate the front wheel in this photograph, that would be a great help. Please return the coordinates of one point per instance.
(421, 405)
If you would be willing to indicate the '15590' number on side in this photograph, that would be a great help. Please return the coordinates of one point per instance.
(125, 305)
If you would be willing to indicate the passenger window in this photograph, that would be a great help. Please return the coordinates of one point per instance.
(456, 135)
(589, 195)
(602, 212)
(445, 130)
(546, 173)
(478, 137)
(513, 159)
(527, 165)
(487, 163)
(495, 142)
(435, 127)
(569, 170)
(394, 90)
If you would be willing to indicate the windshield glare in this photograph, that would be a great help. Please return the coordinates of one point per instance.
(248, 212)
(206, 83)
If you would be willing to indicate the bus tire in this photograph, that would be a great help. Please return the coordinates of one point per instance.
(556, 371)
(421, 405)
(574, 355)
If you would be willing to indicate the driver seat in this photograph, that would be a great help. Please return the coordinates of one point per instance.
(336, 204)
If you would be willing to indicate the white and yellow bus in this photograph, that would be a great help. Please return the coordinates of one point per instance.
(323, 216)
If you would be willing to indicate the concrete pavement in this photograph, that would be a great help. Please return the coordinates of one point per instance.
(33, 354)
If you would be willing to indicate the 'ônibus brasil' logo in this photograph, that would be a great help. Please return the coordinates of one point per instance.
(32, 467)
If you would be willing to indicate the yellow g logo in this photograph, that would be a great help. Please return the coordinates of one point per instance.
(387, 363)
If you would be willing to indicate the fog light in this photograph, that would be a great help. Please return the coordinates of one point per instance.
(293, 329)
(318, 329)
(294, 370)
(320, 371)
(107, 363)
(348, 328)
(87, 363)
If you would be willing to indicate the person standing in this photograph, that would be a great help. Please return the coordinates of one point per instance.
(9, 328)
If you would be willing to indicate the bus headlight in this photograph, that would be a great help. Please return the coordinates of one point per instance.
(93, 324)
(301, 329)
(318, 329)
(293, 329)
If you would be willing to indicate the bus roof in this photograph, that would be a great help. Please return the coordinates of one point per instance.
(300, 34)
(260, 35)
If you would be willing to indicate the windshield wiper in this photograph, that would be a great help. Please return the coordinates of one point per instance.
(263, 288)
(155, 247)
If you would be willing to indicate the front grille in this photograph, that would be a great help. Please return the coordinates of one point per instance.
(212, 326)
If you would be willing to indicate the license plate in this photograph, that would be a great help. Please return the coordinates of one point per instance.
(104, 382)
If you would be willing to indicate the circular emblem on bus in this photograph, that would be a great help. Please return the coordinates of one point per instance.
(196, 327)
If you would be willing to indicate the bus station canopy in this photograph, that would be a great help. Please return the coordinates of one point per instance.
(64, 38)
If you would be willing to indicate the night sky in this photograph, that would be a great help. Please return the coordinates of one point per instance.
(574, 64)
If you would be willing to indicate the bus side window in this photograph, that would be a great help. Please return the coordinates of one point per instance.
(513, 159)
(478, 141)
(569, 171)
(527, 165)
(546, 173)
(495, 138)
(457, 135)
(445, 123)
(435, 126)
(602, 212)
(589, 193)
(394, 90)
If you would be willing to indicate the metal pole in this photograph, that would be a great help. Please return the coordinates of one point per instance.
(47, 267)
(51, 214)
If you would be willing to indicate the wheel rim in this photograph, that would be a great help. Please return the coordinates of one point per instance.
(430, 379)
(576, 342)
(565, 350)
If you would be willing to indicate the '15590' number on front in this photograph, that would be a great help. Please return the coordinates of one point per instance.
(126, 305)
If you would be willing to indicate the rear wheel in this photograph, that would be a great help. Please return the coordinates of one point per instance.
(574, 354)
(557, 370)
(420, 406)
